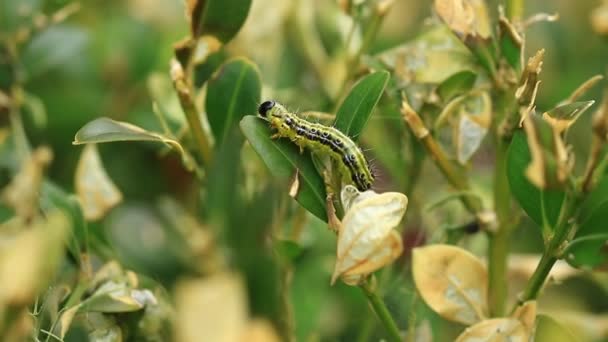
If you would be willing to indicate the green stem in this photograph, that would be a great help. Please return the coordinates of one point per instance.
(499, 241)
(553, 250)
(382, 312)
(515, 9)
(538, 278)
(353, 62)
(184, 93)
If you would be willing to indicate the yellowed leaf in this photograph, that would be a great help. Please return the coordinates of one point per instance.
(366, 240)
(96, 191)
(465, 17)
(260, 330)
(30, 260)
(526, 315)
(452, 281)
(599, 19)
(23, 191)
(211, 309)
(495, 330)
(65, 321)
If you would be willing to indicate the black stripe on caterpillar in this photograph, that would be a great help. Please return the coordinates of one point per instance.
(320, 139)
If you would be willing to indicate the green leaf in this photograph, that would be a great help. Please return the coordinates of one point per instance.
(589, 245)
(530, 198)
(220, 18)
(283, 158)
(457, 84)
(511, 43)
(232, 92)
(52, 197)
(287, 249)
(360, 102)
(55, 47)
(549, 330)
(589, 251)
(594, 207)
(104, 130)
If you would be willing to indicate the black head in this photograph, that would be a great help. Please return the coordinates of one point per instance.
(265, 107)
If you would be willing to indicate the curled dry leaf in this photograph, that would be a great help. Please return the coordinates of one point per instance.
(96, 191)
(211, 309)
(452, 281)
(464, 17)
(551, 163)
(366, 240)
(22, 193)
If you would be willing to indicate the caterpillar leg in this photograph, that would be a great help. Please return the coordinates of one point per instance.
(275, 136)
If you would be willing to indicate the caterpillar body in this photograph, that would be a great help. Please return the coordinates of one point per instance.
(320, 138)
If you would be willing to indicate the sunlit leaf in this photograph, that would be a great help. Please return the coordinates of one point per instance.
(452, 281)
(95, 189)
(232, 92)
(355, 110)
(283, 159)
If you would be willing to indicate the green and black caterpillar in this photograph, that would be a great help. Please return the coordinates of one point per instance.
(320, 139)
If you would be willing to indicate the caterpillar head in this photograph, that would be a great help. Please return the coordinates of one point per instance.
(271, 109)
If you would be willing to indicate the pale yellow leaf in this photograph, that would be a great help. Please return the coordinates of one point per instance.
(211, 309)
(96, 191)
(495, 330)
(260, 330)
(526, 315)
(452, 281)
(465, 17)
(365, 241)
(23, 191)
(599, 19)
(65, 321)
(31, 259)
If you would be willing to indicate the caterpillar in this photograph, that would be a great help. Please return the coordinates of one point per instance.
(320, 138)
